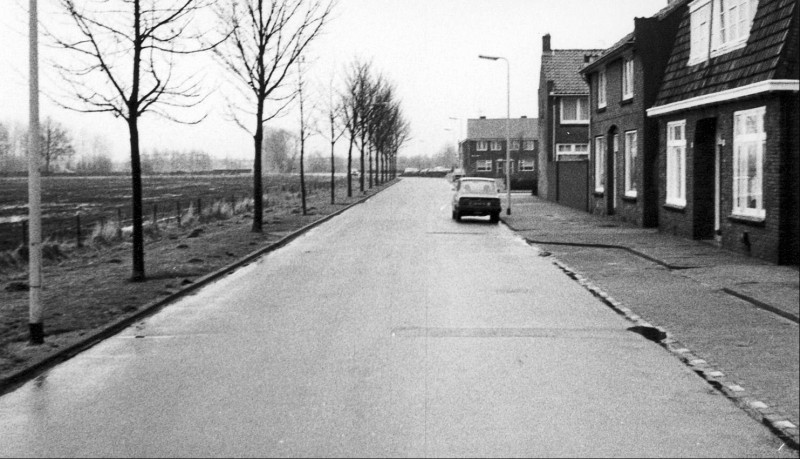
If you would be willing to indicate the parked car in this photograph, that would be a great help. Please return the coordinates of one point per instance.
(476, 196)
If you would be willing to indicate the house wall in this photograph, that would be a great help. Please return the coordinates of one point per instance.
(624, 115)
(764, 239)
(564, 179)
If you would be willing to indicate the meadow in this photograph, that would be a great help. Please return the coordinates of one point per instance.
(68, 200)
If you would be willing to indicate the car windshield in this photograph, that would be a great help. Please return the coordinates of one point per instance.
(477, 187)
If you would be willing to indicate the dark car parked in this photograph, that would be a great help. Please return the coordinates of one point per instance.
(476, 196)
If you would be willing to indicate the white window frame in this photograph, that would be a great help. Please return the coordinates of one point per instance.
(581, 102)
(599, 164)
(602, 85)
(529, 145)
(515, 145)
(631, 158)
(710, 27)
(748, 198)
(527, 165)
(627, 78)
(483, 165)
(482, 145)
(676, 164)
(494, 145)
(572, 151)
(501, 167)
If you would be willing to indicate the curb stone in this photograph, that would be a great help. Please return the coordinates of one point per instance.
(778, 424)
(34, 369)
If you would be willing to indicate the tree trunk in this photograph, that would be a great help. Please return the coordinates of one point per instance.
(361, 176)
(350, 169)
(136, 187)
(333, 170)
(258, 204)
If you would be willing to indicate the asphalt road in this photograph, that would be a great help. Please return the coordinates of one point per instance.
(389, 331)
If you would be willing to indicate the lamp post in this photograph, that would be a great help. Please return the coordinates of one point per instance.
(508, 121)
(458, 141)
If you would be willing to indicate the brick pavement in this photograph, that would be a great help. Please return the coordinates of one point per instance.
(732, 318)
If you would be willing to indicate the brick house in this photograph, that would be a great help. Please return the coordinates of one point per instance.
(623, 82)
(728, 158)
(564, 125)
(483, 151)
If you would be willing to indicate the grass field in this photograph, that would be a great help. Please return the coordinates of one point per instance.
(109, 198)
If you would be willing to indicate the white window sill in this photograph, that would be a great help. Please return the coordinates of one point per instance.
(631, 194)
(755, 217)
(676, 204)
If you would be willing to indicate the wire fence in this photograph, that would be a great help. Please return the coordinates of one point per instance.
(78, 227)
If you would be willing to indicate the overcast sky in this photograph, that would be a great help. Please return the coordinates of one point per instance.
(429, 48)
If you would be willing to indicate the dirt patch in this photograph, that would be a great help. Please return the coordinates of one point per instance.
(88, 288)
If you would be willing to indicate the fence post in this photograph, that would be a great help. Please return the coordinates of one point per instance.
(25, 233)
(178, 212)
(78, 242)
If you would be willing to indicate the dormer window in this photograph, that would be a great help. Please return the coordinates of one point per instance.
(719, 26)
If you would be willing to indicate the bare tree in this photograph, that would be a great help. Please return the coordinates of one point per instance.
(266, 39)
(335, 112)
(123, 63)
(55, 143)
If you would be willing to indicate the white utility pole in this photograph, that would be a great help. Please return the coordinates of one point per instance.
(35, 325)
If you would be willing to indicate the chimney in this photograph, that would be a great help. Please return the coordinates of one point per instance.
(523, 116)
(546, 43)
(483, 117)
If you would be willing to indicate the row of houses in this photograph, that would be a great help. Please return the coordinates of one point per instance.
(688, 124)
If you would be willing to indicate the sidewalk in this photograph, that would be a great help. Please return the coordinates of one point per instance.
(733, 316)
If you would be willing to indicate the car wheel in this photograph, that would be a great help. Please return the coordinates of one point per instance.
(494, 218)
(454, 215)
(457, 216)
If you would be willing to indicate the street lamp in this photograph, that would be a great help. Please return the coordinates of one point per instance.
(508, 121)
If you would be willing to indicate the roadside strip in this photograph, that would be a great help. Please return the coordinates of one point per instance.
(34, 369)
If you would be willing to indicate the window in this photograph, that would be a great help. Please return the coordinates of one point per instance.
(572, 151)
(483, 145)
(514, 145)
(483, 165)
(601, 89)
(631, 158)
(719, 26)
(574, 110)
(749, 140)
(495, 145)
(529, 145)
(501, 167)
(699, 30)
(599, 165)
(526, 165)
(627, 79)
(676, 163)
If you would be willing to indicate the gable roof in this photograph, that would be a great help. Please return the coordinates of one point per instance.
(495, 128)
(563, 66)
(763, 58)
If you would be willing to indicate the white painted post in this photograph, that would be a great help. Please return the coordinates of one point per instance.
(35, 324)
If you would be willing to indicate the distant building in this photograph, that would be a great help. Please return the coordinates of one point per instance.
(483, 151)
(564, 125)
